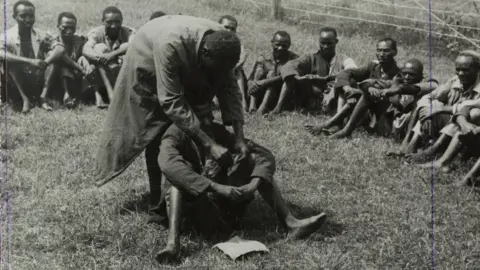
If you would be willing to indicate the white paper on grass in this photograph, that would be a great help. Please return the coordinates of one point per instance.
(237, 247)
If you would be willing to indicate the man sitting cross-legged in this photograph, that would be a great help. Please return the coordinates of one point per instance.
(311, 77)
(105, 48)
(434, 111)
(385, 68)
(265, 81)
(189, 181)
(68, 66)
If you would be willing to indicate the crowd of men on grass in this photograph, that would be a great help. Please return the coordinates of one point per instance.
(160, 84)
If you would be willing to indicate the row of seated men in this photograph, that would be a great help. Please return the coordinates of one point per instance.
(389, 99)
(384, 97)
(66, 67)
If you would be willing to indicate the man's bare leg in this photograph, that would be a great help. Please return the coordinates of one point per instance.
(297, 229)
(287, 89)
(409, 135)
(357, 115)
(412, 146)
(470, 176)
(51, 74)
(99, 102)
(441, 143)
(253, 104)
(172, 249)
(335, 120)
(25, 100)
(453, 149)
(69, 97)
(242, 85)
(340, 103)
(268, 98)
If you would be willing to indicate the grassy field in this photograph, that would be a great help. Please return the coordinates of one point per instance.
(379, 210)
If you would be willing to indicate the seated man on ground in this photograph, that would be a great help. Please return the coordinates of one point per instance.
(105, 48)
(265, 80)
(190, 183)
(26, 46)
(68, 66)
(311, 77)
(374, 75)
(434, 111)
(231, 24)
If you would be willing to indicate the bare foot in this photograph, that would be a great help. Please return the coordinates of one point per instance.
(397, 154)
(46, 107)
(168, 255)
(420, 157)
(307, 227)
(339, 135)
(102, 105)
(464, 182)
(70, 103)
(26, 107)
(314, 130)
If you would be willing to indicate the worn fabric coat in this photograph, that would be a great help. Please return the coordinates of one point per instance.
(161, 82)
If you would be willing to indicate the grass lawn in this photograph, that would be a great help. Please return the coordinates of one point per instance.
(380, 211)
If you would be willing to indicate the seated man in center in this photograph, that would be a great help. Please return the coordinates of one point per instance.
(105, 48)
(265, 81)
(189, 180)
(311, 77)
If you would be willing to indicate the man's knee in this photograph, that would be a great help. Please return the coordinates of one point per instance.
(101, 48)
(475, 116)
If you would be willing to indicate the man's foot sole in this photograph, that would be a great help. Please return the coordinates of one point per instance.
(307, 230)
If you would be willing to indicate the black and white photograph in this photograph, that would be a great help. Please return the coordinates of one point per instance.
(240, 134)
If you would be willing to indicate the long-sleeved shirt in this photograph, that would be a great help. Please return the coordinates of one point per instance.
(161, 82)
(182, 161)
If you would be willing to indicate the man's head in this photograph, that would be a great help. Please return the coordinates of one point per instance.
(220, 52)
(328, 41)
(112, 19)
(67, 24)
(229, 22)
(281, 43)
(157, 14)
(24, 14)
(386, 50)
(467, 66)
(412, 71)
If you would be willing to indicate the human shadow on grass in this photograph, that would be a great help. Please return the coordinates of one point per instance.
(138, 204)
